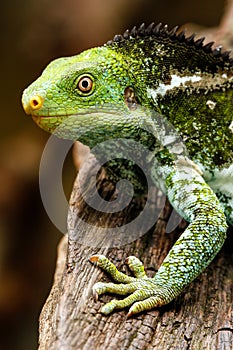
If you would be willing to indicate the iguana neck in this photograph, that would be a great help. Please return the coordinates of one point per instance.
(154, 55)
(189, 84)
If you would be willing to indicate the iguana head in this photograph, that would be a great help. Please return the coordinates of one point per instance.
(97, 94)
(88, 94)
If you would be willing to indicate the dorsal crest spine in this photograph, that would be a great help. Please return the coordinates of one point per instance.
(174, 34)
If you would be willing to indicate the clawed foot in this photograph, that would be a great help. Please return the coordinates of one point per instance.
(144, 292)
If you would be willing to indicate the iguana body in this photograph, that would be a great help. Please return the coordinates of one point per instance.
(98, 95)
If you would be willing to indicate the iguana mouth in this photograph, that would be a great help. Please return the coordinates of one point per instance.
(89, 113)
(48, 116)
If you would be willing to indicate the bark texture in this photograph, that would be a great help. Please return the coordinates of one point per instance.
(200, 318)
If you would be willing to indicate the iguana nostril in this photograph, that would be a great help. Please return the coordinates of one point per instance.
(36, 102)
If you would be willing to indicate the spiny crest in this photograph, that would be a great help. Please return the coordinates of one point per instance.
(162, 31)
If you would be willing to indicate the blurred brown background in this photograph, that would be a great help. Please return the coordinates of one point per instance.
(33, 33)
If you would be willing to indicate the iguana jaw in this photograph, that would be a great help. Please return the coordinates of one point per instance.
(89, 127)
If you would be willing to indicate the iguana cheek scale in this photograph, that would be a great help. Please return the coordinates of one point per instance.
(96, 95)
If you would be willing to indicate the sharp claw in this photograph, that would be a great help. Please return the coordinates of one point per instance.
(95, 295)
(94, 258)
(129, 259)
(131, 312)
(129, 315)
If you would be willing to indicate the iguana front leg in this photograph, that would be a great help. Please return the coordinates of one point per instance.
(193, 251)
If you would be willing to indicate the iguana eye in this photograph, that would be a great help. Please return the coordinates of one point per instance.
(85, 84)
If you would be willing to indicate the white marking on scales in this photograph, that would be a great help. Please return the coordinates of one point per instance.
(231, 126)
(176, 81)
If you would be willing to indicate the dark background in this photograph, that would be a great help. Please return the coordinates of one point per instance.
(33, 33)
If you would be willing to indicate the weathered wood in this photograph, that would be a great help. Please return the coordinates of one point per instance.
(200, 318)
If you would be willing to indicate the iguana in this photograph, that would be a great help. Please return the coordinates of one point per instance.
(188, 83)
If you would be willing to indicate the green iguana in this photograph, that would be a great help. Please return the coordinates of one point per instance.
(97, 94)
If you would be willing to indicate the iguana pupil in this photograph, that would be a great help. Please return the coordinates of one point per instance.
(85, 84)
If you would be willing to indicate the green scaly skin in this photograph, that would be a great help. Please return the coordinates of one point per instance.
(191, 86)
